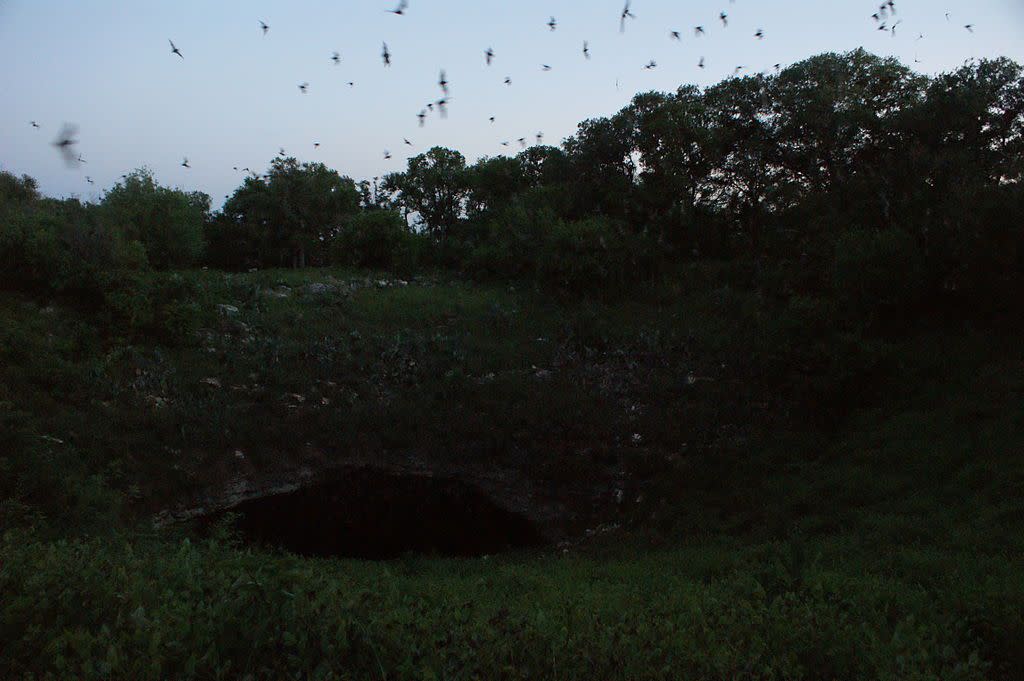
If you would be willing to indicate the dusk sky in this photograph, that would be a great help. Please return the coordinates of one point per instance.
(234, 100)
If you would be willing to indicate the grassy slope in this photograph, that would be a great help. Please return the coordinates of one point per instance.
(880, 539)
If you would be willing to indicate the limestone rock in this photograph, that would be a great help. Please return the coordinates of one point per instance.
(320, 289)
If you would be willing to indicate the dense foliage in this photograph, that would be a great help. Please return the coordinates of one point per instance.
(775, 322)
(801, 501)
(166, 222)
(837, 158)
(770, 611)
(287, 216)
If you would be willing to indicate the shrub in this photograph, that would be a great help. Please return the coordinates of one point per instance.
(30, 250)
(165, 306)
(375, 238)
(17, 190)
(876, 271)
(232, 245)
(976, 249)
(590, 255)
(168, 222)
(45, 483)
(59, 247)
(508, 244)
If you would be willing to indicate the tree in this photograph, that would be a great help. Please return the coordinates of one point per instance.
(605, 164)
(295, 209)
(373, 238)
(962, 163)
(167, 222)
(674, 141)
(494, 183)
(977, 114)
(435, 186)
(834, 111)
(545, 166)
(17, 190)
(747, 169)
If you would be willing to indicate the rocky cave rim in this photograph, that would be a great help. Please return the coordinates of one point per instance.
(377, 514)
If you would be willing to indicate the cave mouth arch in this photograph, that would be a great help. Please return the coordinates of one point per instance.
(379, 515)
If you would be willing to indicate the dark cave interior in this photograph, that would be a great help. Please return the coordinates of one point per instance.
(376, 515)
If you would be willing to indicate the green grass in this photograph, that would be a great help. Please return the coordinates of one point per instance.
(827, 505)
(718, 609)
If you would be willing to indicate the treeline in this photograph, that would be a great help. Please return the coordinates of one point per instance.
(845, 174)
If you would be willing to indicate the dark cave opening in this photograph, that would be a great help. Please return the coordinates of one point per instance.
(376, 515)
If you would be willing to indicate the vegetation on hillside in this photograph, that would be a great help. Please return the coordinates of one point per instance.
(781, 314)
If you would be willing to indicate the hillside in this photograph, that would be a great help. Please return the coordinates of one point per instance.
(697, 501)
(726, 385)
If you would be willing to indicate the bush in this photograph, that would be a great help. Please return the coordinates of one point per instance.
(168, 222)
(30, 250)
(87, 608)
(878, 271)
(59, 247)
(375, 238)
(977, 248)
(45, 483)
(529, 240)
(17, 190)
(164, 306)
(232, 245)
(509, 243)
(591, 255)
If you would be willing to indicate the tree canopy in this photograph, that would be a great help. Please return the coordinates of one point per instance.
(167, 222)
(293, 210)
(839, 151)
(435, 187)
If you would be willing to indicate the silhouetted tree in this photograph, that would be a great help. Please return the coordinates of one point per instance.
(167, 222)
(674, 142)
(435, 187)
(295, 209)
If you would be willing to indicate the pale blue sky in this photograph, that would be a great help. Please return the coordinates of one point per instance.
(234, 100)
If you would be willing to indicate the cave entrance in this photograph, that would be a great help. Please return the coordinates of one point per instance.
(376, 515)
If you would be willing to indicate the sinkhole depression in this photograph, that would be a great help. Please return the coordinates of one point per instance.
(377, 515)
